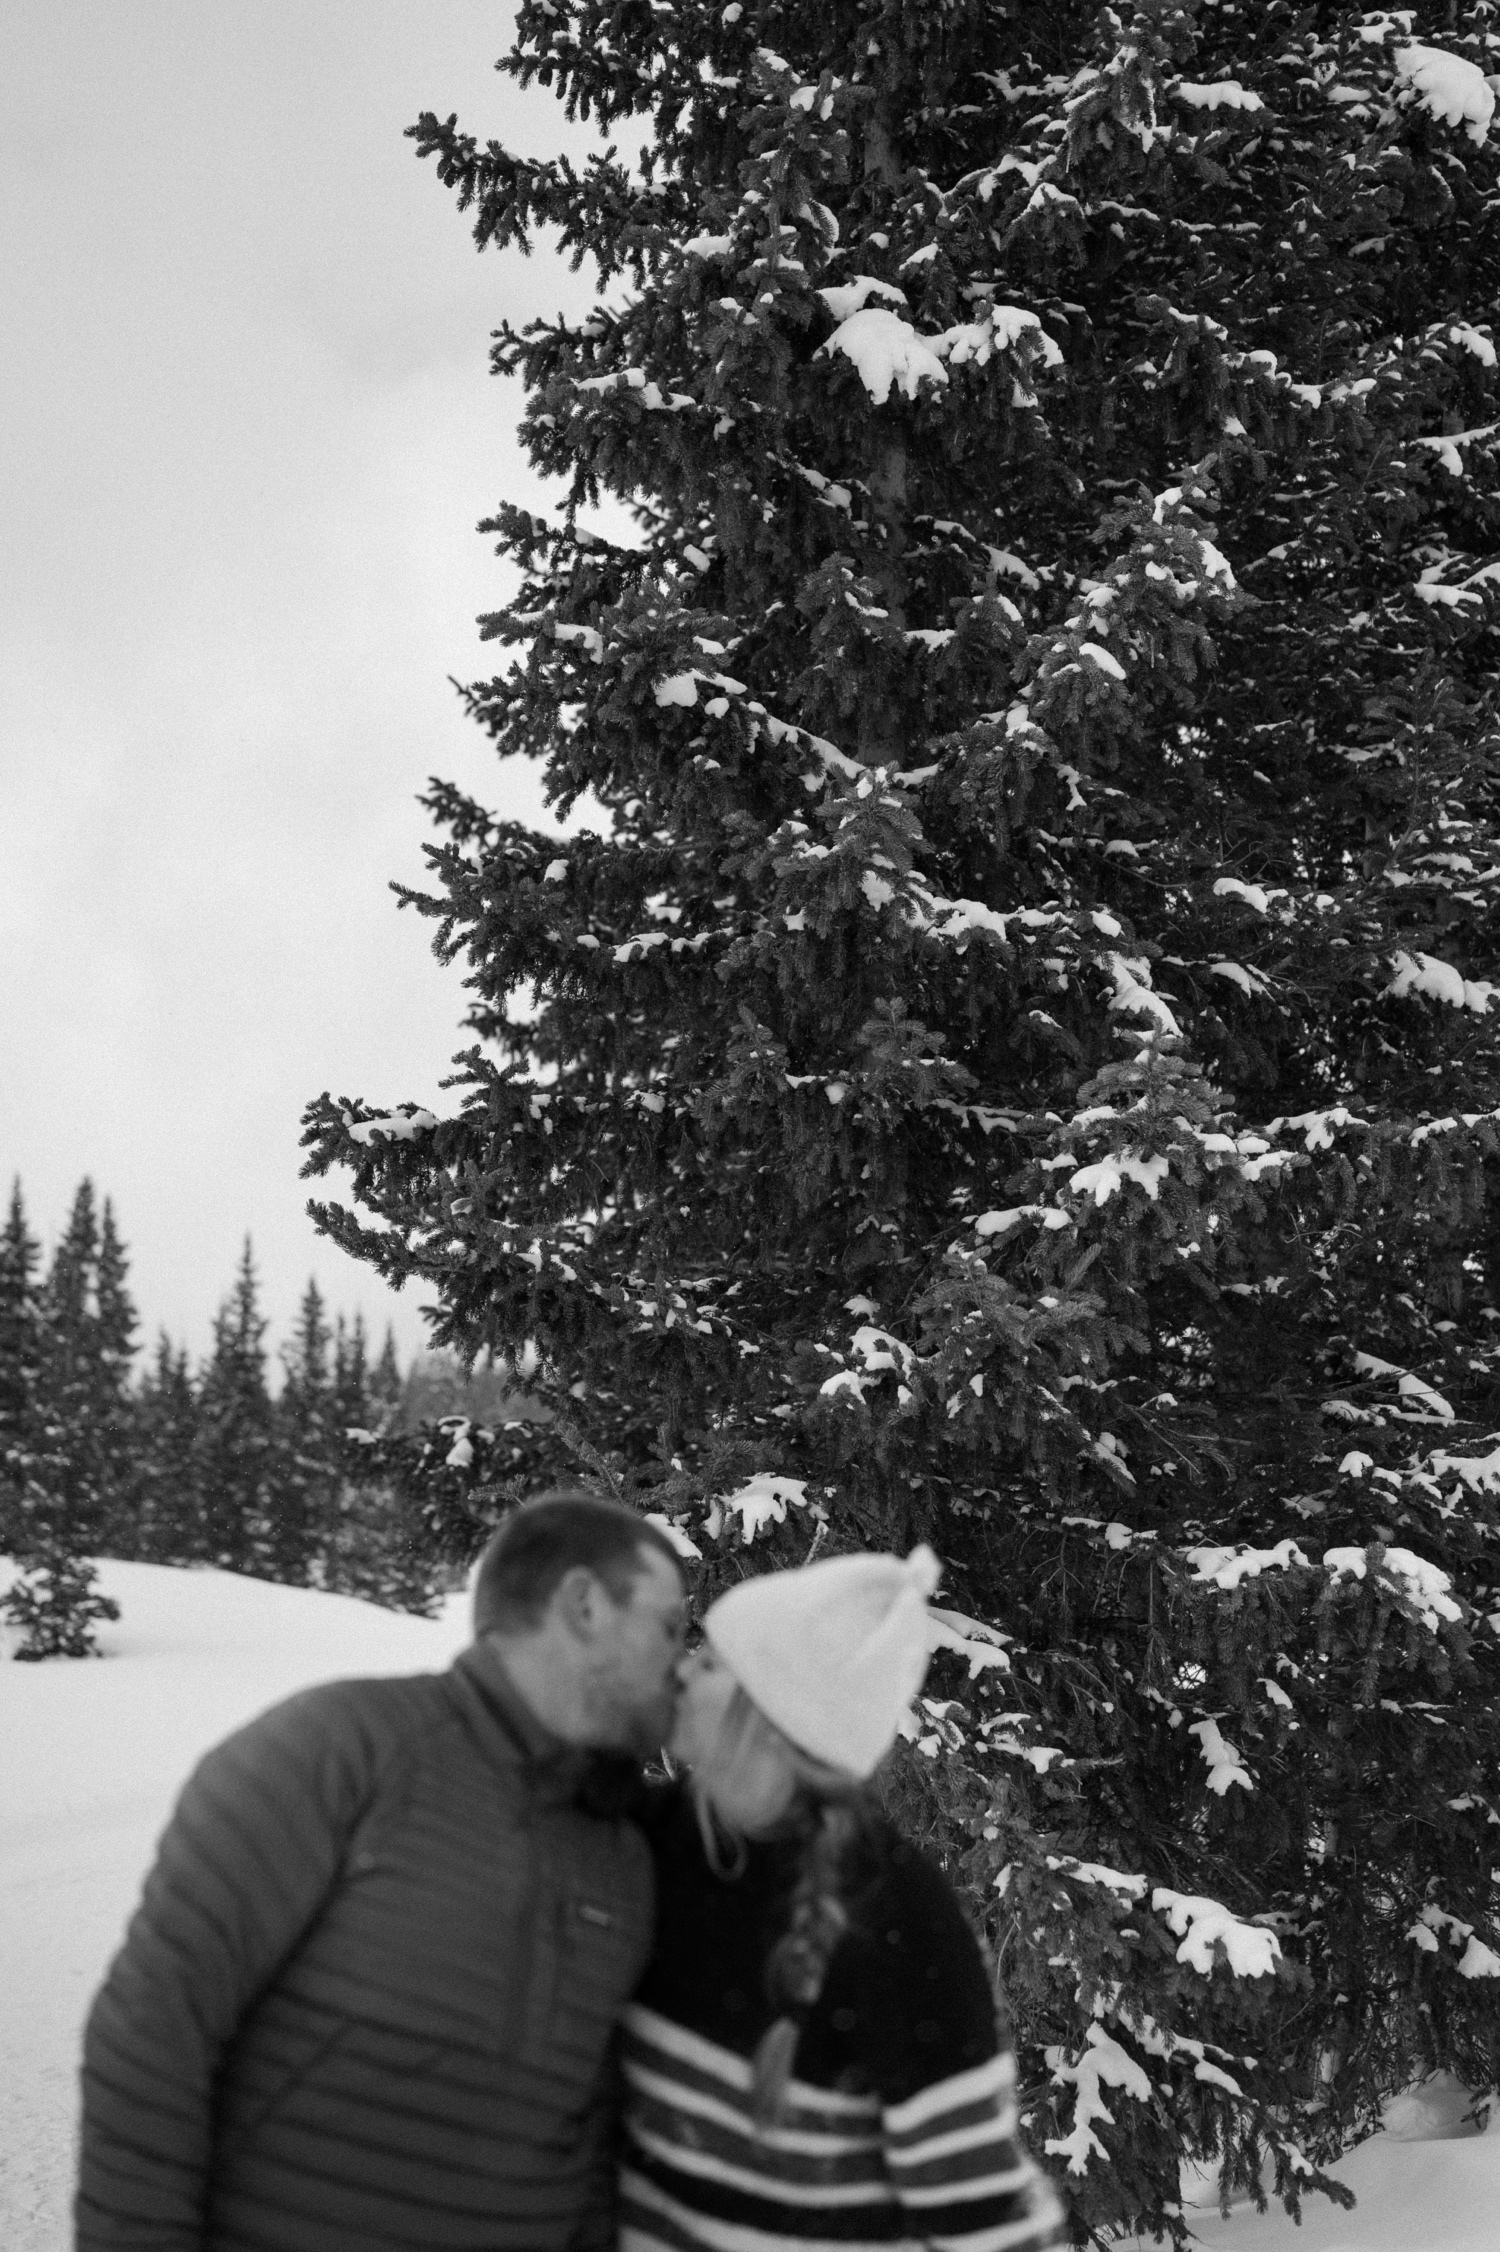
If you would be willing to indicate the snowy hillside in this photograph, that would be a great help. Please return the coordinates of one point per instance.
(91, 1755)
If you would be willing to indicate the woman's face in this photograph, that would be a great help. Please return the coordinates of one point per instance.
(708, 1688)
(754, 1785)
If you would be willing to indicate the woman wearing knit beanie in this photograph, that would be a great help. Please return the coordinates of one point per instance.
(813, 2056)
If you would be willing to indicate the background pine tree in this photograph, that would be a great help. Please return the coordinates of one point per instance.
(236, 1466)
(70, 1389)
(309, 1441)
(385, 1382)
(170, 1528)
(58, 1466)
(353, 1381)
(20, 1353)
(323, 1486)
(1021, 1071)
(378, 1539)
(113, 1404)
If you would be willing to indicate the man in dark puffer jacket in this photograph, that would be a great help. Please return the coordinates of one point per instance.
(367, 2002)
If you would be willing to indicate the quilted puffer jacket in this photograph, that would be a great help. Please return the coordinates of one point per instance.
(367, 2003)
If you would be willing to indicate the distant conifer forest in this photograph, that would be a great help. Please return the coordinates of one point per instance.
(343, 1475)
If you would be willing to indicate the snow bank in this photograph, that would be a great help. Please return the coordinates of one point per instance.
(1429, 2183)
(92, 1753)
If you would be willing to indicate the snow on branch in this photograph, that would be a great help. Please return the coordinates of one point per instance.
(846, 299)
(1158, 2041)
(1476, 1961)
(685, 1546)
(1102, 2063)
(1227, 1567)
(1000, 1223)
(1448, 87)
(1446, 447)
(588, 638)
(1172, 502)
(763, 1500)
(1424, 1585)
(1222, 93)
(1440, 981)
(396, 1126)
(1211, 1934)
(1317, 1125)
(1254, 895)
(1429, 1405)
(1102, 1179)
(887, 351)
(1253, 983)
(1097, 1873)
(1473, 340)
(1479, 1472)
(1004, 327)
(1133, 995)
(970, 1639)
(677, 688)
(1226, 1767)
(649, 395)
(876, 1350)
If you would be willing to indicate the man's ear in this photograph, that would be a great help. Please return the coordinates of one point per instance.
(575, 1602)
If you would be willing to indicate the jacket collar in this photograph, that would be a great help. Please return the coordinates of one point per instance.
(603, 1783)
(509, 1730)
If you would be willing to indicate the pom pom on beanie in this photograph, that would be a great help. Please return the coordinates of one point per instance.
(833, 1653)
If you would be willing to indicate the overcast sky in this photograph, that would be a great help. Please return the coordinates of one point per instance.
(248, 431)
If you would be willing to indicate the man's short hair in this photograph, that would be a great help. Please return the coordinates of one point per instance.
(548, 1537)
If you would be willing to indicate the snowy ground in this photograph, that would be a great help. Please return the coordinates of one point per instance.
(1429, 2183)
(91, 1755)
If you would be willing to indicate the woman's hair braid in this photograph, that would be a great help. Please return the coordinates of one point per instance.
(798, 1963)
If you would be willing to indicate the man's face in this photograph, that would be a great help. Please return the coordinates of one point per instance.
(633, 1689)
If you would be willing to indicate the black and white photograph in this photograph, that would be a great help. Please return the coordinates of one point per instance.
(750, 1126)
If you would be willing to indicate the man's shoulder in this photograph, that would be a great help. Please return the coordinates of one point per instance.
(366, 1719)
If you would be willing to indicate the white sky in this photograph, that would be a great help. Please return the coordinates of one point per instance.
(248, 430)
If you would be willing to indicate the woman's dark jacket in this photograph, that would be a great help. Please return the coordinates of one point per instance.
(899, 2126)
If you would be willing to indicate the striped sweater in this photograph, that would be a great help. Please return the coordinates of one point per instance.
(900, 2127)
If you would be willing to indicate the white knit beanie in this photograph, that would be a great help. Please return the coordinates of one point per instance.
(833, 1653)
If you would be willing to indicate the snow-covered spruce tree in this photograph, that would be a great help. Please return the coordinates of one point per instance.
(1022, 1072)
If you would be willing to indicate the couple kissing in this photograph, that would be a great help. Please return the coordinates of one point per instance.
(423, 1965)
